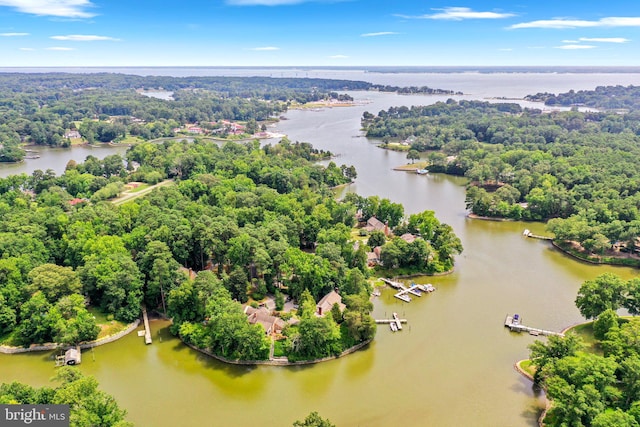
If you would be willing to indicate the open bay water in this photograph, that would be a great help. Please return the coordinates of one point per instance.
(452, 365)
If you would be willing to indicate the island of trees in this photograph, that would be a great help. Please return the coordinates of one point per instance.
(576, 170)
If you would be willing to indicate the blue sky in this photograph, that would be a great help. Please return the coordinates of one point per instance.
(318, 32)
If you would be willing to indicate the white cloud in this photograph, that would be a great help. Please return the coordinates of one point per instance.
(14, 34)
(561, 23)
(265, 48)
(604, 39)
(63, 8)
(571, 41)
(621, 21)
(60, 48)
(460, 13)
(338, 56)
(27, 49)
(381, 33)
(83, 38)
(575, 46)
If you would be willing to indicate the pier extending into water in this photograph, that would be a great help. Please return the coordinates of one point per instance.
(528, 233)
(395, 323)
(403, 292)
(147, 329)
(513, 323)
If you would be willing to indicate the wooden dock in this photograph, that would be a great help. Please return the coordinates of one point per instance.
(516, 326)
(528, 233)
(397, 285)
(395, 323)
(403, 292)
(147, 329)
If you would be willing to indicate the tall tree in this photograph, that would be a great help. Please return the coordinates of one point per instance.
(602, 293)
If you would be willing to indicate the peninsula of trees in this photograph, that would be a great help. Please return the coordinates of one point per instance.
(251, 220)
(576, 169)
(595, 384)
(602, 98)
(241, 221)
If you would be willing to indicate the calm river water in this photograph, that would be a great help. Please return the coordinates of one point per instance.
(453, 363)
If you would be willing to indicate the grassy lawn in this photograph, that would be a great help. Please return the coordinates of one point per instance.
(130, 139)
(129, 195)
(585, 331)
(138, 188)
(412, 166)
(396, 146)
(528, 367)
(107, 327)
(355, 235)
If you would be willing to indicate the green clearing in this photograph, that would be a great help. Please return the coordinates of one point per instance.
(527, 366)
(138, 188)
(107, 327)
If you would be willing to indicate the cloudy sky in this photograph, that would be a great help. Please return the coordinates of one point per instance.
(318, 32)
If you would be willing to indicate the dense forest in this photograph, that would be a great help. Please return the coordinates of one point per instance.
(602, 98)
(577, 169)
(275, 88)
(596, 381)
(259, 219)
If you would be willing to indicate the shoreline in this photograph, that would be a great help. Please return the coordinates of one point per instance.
(6, 349)
(489, 218)
(279, 361)
(338, 187)
(612, 259)
(518, 367)
(410, 276)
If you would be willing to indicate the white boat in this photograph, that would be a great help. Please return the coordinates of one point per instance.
(422, 171)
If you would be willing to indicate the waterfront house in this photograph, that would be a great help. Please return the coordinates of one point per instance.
(372, 259)
(77, 201)
(374, 224)
(271, 324)
(72, 134)
(408, 237)
(189, 272)
(327, 302)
